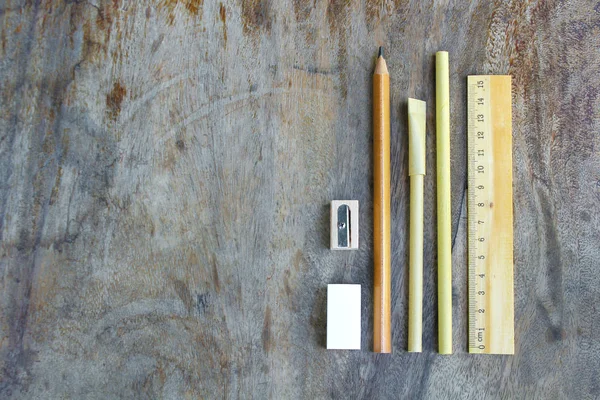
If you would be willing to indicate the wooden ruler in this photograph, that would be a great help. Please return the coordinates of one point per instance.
(490, 215)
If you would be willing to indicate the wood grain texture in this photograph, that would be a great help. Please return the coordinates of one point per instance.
(166, 169)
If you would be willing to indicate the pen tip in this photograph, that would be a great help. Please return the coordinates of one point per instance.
(380, 51)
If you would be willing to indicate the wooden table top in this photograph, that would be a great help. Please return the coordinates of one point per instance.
(166, 169)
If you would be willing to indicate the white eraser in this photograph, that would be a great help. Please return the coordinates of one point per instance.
(343, 317)
(344, 225)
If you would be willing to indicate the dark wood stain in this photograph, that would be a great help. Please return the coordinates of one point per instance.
(298, 260)
(215, 276)
(373, 12)
(156, 44)
(286, 283)
(555, 334)
(302, 9)
(114, 100)
(193, 8)
(255, 16)
(202, 303)
(266, 331)
(223, 13)
(337, 13)
(337, 17)
(381, 13)
(182, 290)
(223, 16)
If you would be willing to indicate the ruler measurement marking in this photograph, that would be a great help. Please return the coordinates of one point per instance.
(478, 141)
(490, 275)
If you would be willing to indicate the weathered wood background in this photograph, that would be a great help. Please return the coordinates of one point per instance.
(165, 174)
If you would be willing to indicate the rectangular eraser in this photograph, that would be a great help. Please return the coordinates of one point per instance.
(344, 225)
(343, 317)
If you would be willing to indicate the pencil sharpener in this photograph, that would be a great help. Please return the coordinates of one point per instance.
(344, 225)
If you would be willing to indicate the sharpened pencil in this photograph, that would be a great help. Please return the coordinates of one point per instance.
(382, 258)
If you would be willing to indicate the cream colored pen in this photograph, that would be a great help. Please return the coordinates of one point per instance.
(416, 172)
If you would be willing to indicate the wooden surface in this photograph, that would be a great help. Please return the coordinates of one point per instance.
(166, 170)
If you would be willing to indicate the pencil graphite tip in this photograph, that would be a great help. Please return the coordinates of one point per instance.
(380, 51)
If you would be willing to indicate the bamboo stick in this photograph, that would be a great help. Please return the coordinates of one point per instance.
(444, 211)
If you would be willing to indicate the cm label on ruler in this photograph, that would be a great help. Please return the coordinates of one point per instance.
(490, 219)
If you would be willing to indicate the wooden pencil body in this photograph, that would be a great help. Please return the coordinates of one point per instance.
(381, 211)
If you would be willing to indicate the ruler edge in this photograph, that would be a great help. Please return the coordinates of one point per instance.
(505, 350)
(509, 269)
